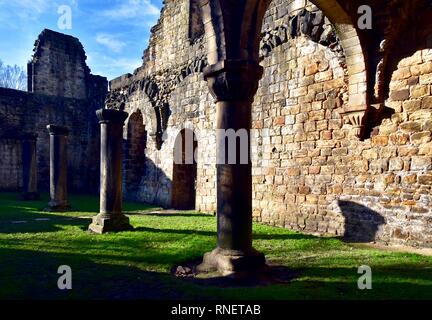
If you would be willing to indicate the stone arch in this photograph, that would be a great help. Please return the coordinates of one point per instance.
(196, 26)
(184, 171)
(136, 144)
(354, 53)
(356, 109)
(233, 33)
(408, 23)
(415, 28)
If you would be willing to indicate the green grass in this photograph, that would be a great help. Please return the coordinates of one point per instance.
(137, 264)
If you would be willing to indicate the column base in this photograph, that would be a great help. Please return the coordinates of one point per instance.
(229, 262)
(103, 223)
(57, 207)
(29, 196)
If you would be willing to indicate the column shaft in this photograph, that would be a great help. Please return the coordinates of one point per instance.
(233, 83)
(111, 168)
(111, 217)
(234, 181)
(58, 168)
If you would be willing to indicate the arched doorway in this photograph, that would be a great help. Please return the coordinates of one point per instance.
(184, 171)
(135, 151)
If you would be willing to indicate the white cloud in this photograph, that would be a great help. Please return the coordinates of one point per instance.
(30, 10)
(111, 67)
(133, 9)
(36, 6)
(110, 42)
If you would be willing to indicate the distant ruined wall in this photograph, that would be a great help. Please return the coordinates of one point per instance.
(58, 66)
(315, 168)
(62, 92)
(10, 164)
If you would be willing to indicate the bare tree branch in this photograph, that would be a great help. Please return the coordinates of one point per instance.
(13, 77)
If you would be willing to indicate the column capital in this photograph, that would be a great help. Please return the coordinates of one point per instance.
(233, 80)
(55, 130)
(111, 116)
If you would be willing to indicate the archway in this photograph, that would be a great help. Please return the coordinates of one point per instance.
(233, 31)
(184, 171)
(135, 151)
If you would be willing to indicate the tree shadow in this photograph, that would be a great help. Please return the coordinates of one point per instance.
(102, 270)
(37, 223)
(361, 223)
(30, 274)
(28, 217)
(33, 275)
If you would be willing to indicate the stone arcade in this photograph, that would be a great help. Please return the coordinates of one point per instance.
(339, 119)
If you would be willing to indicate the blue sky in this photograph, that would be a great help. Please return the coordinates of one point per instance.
(114, 32)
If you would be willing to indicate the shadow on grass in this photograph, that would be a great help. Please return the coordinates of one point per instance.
(36, 226)
(173, 215)
(28, 216)
(256, 236)
(33, 275)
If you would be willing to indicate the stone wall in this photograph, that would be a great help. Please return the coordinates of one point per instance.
(58, 66)
(25, 112)
(10, 164)
(316, 167)
(62, 92)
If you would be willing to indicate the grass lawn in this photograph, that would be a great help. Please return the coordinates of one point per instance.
(137, 264)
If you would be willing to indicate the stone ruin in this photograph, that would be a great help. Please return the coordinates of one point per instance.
(341, 139)
(62, 91)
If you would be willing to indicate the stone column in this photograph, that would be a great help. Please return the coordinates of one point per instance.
(29, 166)
(111, 217)
(234, 84)
(58, 168)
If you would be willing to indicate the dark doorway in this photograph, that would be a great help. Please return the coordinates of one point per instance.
(184, 171)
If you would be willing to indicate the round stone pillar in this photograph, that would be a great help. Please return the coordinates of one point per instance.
(111, 217)
(29, 167)
(233, 83)
(58, 168)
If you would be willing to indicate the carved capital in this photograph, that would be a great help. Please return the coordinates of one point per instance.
(233, 80)
(111, 116)
(357, 118)
(57, 130)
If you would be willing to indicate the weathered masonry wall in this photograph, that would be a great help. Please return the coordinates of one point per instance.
(317, 166)
(24, 112)
(10, 164)
(63, 92)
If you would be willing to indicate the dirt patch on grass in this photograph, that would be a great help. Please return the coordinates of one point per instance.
(271, 274)
(395, 248)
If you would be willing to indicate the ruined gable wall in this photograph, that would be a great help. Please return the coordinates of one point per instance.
(58, 66)
(62, 92)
